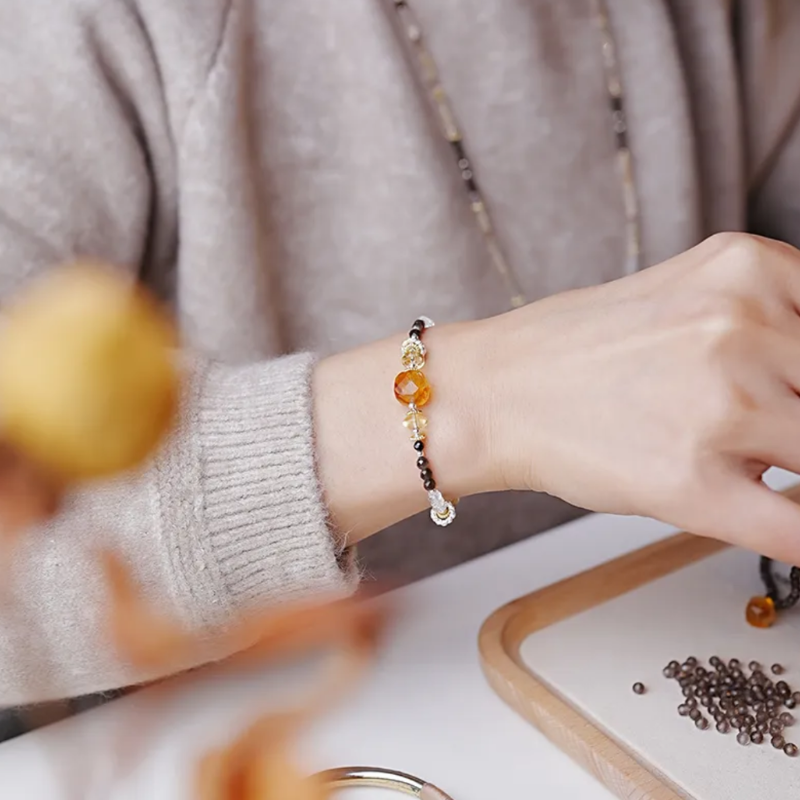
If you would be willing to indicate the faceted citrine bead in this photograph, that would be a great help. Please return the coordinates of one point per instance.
(416, 424)
(412, 386)
(761, 612)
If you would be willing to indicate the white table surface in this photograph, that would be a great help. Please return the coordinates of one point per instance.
(424, 709)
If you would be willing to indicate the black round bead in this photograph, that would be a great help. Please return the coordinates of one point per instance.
(790, 749)
(429, 485)
(422, 462)
(419, 445)
(756, 737)
(777, 669)
(426, 474)
(638, 688)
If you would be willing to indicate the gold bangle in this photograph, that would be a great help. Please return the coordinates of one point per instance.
(411, 388)
(379, 778)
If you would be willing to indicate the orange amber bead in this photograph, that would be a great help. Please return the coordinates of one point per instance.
(412, 386)
(761, 612)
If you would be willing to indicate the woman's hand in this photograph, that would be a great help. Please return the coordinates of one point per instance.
(666, 394)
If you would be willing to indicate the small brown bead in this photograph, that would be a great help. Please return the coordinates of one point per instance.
(756, 737)
(790, 702)
(702, 723)
(786, 718)
(778, 742)
(723, 726)
(743, 738)
(734, 663)
(790, 749)
(695, 714)
(754, 666)
(638, 688)
(777, 669)
(683, 710)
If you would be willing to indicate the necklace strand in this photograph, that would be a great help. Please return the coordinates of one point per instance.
(428, 74)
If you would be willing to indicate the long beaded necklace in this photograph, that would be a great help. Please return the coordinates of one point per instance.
(428, 74)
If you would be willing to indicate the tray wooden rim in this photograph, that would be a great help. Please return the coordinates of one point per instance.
(504, 631)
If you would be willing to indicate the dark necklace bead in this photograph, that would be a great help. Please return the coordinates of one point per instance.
(756, 737)
(790, 749)
(790, 702)
(702, 723)
(419, 445)
(723, 726)
(429, 485)
(426, 473)
(422, 462)
(638, 688)
(778, 742)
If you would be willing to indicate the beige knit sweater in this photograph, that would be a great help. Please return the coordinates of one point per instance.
(270, 167)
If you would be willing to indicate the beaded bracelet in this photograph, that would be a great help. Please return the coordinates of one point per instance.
(411, 388)
(762, 611)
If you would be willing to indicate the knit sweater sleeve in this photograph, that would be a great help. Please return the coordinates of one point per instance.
(230, 513)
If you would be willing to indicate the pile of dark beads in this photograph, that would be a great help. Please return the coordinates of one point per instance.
(736, 698)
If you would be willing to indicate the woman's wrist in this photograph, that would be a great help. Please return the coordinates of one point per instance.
(366, 461)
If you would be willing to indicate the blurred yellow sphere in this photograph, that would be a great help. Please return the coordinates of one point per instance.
(88, 380)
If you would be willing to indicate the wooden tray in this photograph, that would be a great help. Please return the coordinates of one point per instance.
(503, 633)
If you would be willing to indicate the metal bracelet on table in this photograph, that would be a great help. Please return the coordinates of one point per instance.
(379, 778)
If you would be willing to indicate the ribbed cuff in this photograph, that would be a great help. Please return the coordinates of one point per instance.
(263, 517)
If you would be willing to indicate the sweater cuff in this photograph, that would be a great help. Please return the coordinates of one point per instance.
(264, 521)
